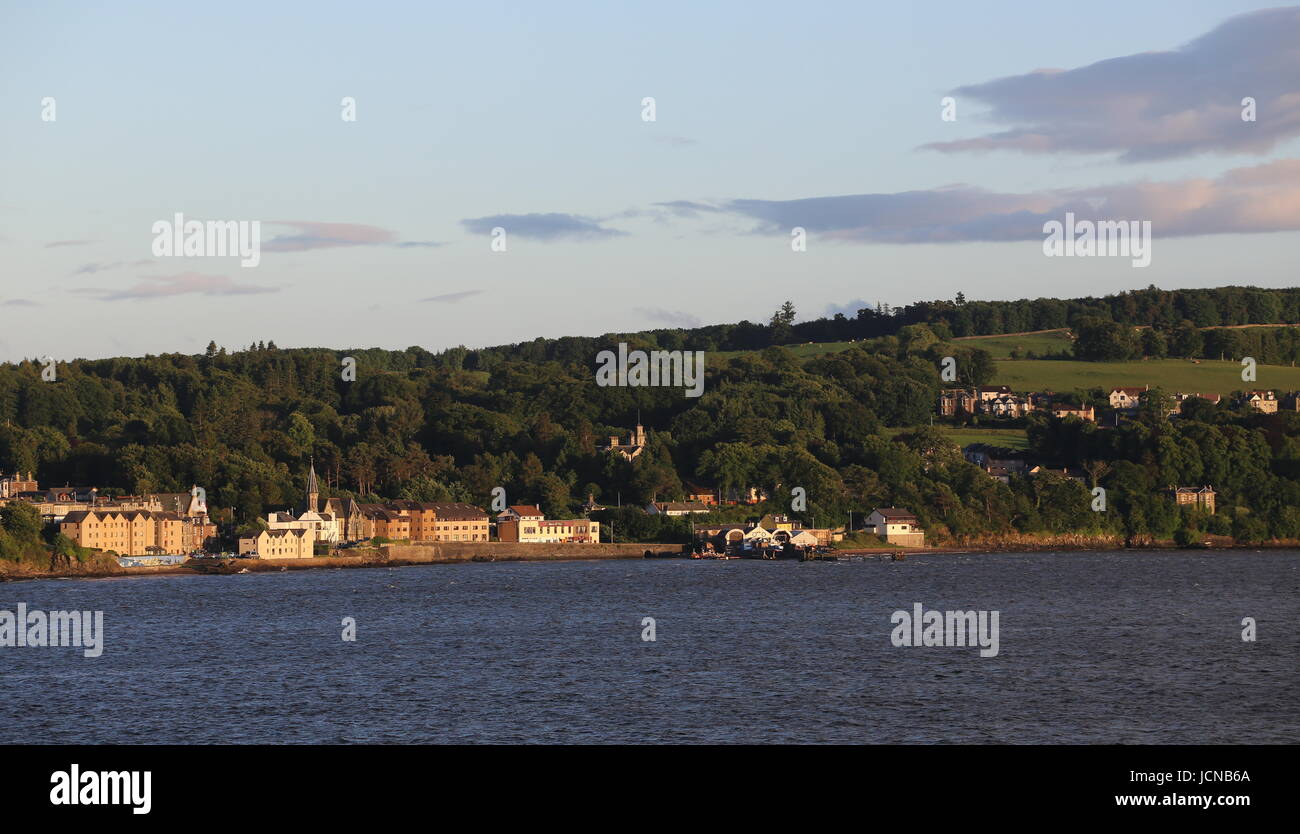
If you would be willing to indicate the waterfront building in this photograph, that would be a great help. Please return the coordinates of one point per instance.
(550, 531)
(127, 532)
(896, 526)
(521, 512)
(278, 544)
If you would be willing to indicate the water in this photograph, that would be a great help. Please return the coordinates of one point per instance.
(1094, 647)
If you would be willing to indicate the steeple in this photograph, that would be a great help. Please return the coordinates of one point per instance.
(313, 490)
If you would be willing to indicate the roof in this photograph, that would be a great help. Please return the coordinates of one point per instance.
(525, 509)
(280, 534)
(895, 512)
(459, 511)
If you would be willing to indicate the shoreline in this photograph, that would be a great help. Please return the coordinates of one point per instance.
(393, 556)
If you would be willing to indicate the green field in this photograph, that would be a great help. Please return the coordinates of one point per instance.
(804, 351)
(1000, 347)
(1207, 377)
(1006, 438)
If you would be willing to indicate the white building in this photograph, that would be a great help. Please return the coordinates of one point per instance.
(896, 526)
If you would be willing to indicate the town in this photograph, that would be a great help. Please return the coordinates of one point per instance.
(168, 528)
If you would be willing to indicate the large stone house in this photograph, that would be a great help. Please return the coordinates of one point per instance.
(1127, 399)
(1264, 402)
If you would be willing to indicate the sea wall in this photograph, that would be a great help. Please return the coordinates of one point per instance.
(516, 551)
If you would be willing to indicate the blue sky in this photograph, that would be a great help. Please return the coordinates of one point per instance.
(475, 115)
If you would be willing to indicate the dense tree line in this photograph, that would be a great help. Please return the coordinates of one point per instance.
(1165, 310)
(851, 428)
(1106, 340)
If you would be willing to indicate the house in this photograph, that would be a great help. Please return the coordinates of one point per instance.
(521, 512)
(11, 485)
(1007, 405)
(991, 392)
(896, 526)
(1082, 412)
(278, 544)
(1127, 399)
(775, 522)
(1181, 399)
(590, 506)
(1202, 497)
(957, 401)
(700, 494)
(1264, 402)
(676, 508)
(997, 463)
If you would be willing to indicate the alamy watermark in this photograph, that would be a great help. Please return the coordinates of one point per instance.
(83, 629)
(1101, 238)
(946, 628)
(102, 787)
(181, 238)
(639, 368)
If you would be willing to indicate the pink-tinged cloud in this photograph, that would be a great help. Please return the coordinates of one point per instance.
(313, 235)
(1262, 198)
(186, 283)
(1153, 105)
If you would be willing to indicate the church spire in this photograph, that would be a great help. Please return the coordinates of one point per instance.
(313, 490)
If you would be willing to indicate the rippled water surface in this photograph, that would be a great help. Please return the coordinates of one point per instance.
(1094, 647)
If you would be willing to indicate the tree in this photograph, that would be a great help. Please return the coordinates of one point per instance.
(1099, 340)
(781, 323)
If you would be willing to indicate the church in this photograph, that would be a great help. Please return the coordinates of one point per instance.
(324, 526)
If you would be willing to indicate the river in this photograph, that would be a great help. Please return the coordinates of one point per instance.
(1093, 647)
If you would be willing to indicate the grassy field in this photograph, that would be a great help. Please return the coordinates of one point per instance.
(1006, 438)
(1207, 377)
(805, 351)
(1048, 341)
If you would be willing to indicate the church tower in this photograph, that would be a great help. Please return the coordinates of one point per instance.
(313, 490)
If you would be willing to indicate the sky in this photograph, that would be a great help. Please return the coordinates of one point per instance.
(377, 231)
